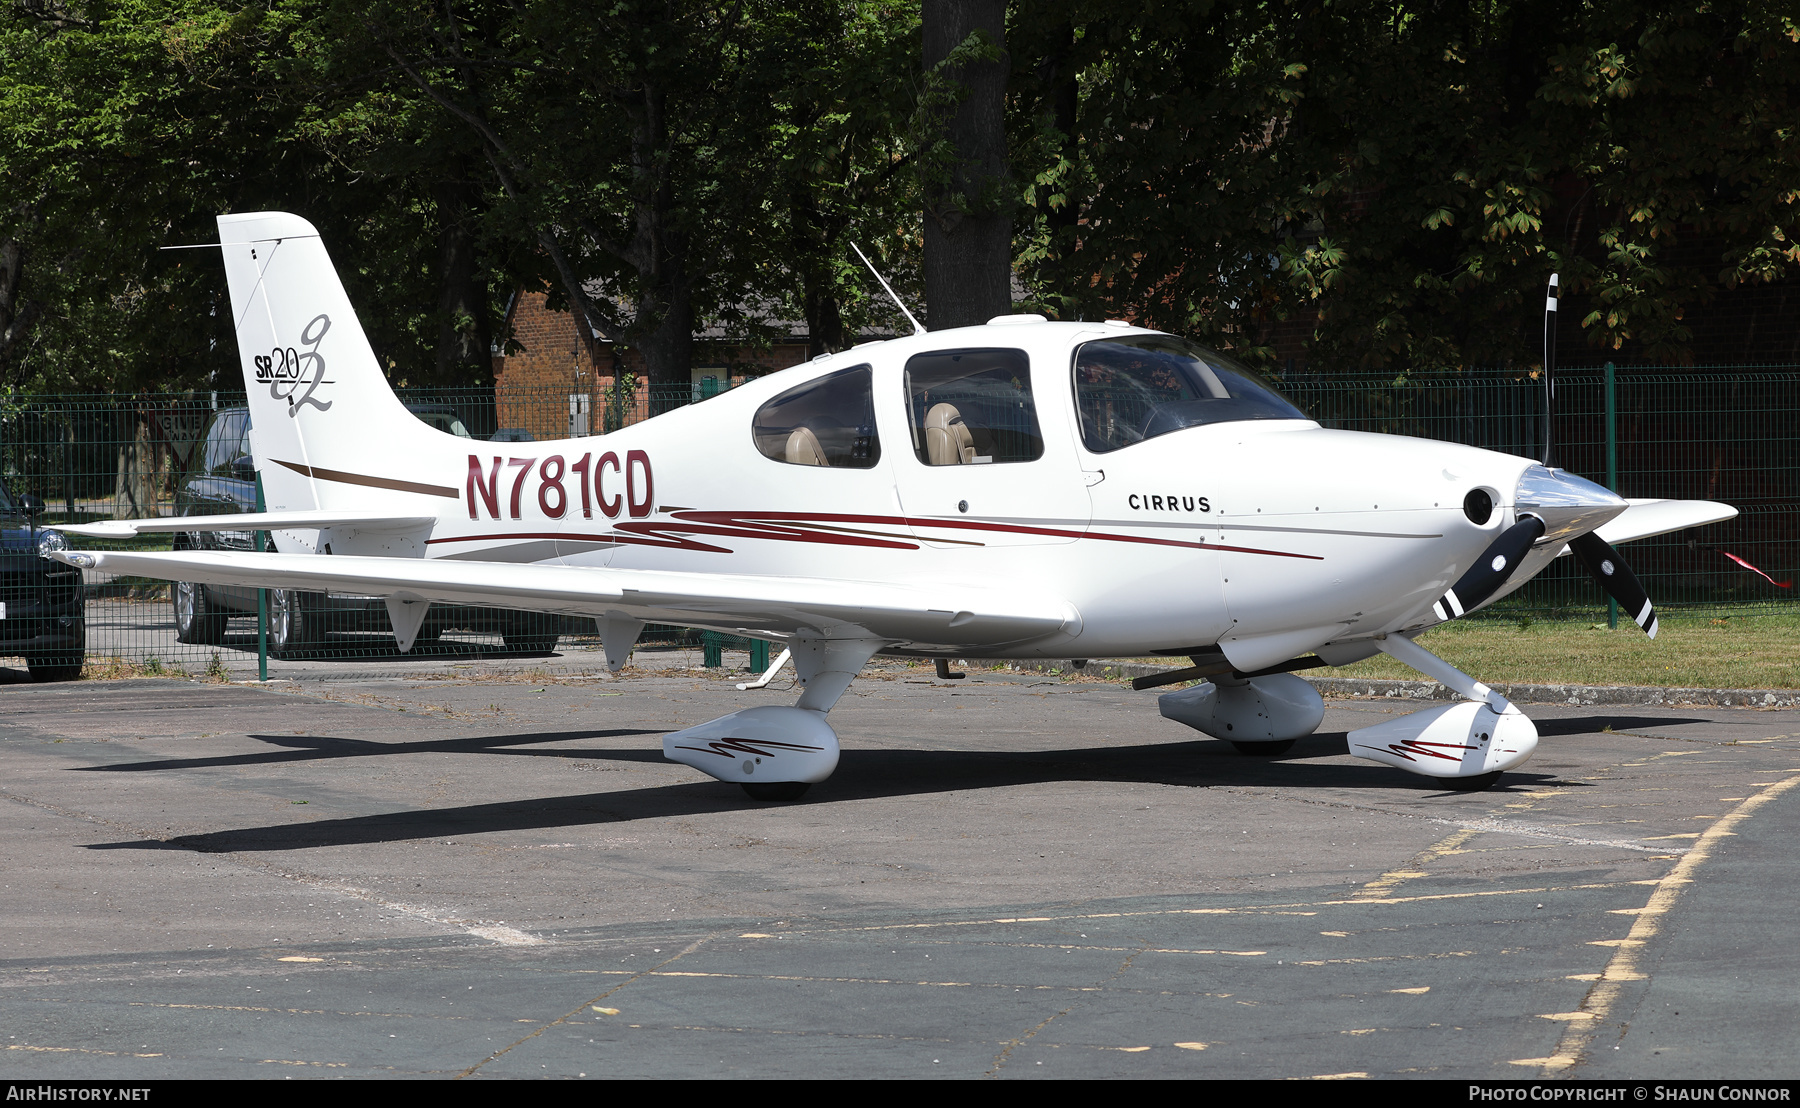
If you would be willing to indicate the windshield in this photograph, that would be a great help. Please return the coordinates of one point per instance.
(1136, 388)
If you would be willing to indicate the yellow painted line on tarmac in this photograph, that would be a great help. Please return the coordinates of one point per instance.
(1383, 958)
(75, 1050)
(1415, 866)
(1248, 910)
(1623, 965)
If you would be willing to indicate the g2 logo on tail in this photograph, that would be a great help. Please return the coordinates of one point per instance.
(294, 375)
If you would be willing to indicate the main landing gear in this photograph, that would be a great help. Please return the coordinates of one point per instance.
(1468, 744)
(775, 753)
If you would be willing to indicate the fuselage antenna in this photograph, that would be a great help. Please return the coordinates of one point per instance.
(917, 329)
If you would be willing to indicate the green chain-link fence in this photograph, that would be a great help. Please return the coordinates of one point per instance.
(1720, 433)
(1712, 433)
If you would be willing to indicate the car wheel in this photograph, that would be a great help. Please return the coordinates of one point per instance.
(530, 633)
(195, 620)
(64, 666)
(293, 622)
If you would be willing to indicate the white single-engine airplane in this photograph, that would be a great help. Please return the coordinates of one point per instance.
(1019, 490)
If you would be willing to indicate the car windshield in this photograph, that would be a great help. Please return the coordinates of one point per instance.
(445, 422)
(1136, 388)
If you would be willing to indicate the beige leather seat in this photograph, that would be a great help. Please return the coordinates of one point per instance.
(803, 448)
(947, 439)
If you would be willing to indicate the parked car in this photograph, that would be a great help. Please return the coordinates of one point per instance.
(441, 416)
(224, 483)
(41, 614)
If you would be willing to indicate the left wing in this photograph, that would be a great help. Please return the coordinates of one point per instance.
(247, 521)
(953, 616)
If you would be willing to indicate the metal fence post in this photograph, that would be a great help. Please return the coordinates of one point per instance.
(1612, 468)
(262, 601)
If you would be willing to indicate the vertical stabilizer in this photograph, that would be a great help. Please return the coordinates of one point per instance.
(328, 431)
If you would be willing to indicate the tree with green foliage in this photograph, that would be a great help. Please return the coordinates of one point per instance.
(1403, 177)
(669, 165)
(129, 126)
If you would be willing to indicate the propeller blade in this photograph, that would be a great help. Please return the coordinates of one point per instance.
(1491, 570)
(1601, 561)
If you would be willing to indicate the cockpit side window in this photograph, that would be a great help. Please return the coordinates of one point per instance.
(972, 407)
(1136, 388)
(829, 421)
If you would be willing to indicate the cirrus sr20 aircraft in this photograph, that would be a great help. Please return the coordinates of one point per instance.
(1019, 490)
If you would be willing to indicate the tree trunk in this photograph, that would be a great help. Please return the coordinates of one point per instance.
(465, 337)
(969, 203)
(16, 317)
(668, 345)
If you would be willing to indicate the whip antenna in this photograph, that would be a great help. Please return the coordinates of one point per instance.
(917, 329)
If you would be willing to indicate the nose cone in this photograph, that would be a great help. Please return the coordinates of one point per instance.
(1568, 505)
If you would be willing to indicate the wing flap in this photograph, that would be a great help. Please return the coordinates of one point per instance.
(956, 616)
(309, 520)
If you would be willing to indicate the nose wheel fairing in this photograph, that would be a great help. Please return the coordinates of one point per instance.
(1481, 735)
(1465, 739)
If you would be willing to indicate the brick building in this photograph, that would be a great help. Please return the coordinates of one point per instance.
(552, 387)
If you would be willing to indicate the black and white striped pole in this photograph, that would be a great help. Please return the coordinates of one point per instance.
(1550, 298)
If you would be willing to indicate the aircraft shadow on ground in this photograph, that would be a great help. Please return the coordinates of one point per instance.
(861, 775)
(311, 748)
(1594, 725)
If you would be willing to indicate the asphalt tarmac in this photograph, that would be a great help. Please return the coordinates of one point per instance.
(497, 875)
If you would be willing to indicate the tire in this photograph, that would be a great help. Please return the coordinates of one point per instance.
(777, 790)
(65, 666)
(195, 619)
(1265, 750)
(524, 634)
(293, 621)
(1471, 784)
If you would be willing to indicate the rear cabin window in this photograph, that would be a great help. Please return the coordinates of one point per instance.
(828, 422)
(972, 407)
(1136, 388)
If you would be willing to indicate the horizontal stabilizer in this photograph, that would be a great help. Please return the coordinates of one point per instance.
(955, 616)
(1647, 518)
(248, 521)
